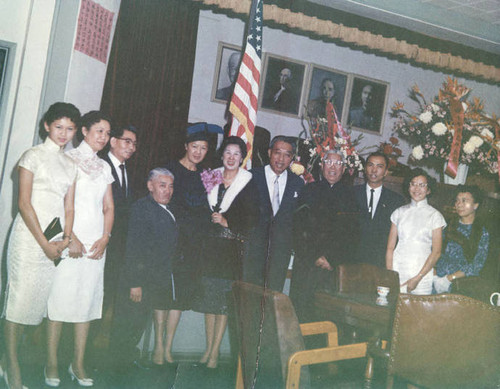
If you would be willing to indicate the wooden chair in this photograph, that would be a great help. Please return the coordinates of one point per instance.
(443, 341)
(272, 352)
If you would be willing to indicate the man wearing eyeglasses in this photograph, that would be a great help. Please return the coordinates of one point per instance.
(122, 146)
(376, 204)
(325, 233)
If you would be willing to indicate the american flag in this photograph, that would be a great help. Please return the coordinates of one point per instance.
(243, 104)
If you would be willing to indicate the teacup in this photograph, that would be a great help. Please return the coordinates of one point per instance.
(383, 291)
(492, 299)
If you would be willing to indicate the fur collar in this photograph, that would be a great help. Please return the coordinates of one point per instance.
(240, 181)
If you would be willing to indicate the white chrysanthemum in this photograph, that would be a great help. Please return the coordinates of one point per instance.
(312, 152)
(306, 141)
(425, 117)
(418, 152)
(435, 108)
(439, 129)
(476, 141)
(469, 148)
(487, 133)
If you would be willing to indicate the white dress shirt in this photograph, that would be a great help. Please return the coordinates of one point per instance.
(270, 177)
(376, 197)
(116, 163)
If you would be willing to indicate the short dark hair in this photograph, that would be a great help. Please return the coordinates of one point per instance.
(57, 111)
(475, 192)
(117, 131)
(431, 182)
(91, 118)
(379, 154)
(234, 140)
(287, 139)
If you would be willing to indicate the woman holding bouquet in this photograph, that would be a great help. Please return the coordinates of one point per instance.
(46, 190)
(417, 230)
(77, 291)
(233, 214)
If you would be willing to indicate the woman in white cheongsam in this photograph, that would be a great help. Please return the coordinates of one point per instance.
(46, 191)
(77, 291)
(417, 230)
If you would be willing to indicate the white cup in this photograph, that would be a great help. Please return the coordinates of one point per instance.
(383, 291)
(492, 299)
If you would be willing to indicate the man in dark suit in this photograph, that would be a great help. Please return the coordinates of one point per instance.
(147, 282)
(123, 144)
(271, 246)
(325, 233)
(376, 204)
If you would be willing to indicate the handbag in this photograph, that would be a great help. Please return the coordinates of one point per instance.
(54, 228)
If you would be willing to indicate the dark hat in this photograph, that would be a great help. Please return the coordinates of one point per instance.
(199, 131)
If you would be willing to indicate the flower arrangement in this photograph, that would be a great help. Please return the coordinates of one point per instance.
(450, 129)
(390, 149)
(211, 178)
(323, 134)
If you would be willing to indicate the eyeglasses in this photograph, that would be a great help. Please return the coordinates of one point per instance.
(129, 141)
(331, 162)
(419, 184)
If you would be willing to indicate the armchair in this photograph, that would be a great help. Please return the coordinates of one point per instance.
(442, 341)
(274, 355)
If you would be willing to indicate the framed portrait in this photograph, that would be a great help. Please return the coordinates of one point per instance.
(282, 85)
(325, 85)
(226, 72)
(367, 105)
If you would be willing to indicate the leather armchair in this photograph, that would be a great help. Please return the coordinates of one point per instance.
(442, 341)
(272, 352)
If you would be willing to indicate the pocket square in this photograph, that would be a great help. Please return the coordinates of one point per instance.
(295, 195)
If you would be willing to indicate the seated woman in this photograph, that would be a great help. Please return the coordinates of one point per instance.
(233, 213)
(417, 229)
(466, 241)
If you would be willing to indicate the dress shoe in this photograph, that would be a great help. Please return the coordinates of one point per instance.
(53, 382)
(81, 381)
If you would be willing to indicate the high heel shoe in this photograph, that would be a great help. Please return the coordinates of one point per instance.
(52, 382)
(81, 381)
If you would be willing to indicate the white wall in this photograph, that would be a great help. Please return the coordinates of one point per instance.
(32, 26)
(215, 27)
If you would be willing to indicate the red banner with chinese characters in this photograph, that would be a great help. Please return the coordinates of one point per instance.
(94, 30)
(457, 115)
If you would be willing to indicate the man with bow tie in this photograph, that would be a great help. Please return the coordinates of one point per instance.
(376, 204)
(270, 251)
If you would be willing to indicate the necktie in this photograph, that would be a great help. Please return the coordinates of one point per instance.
(124, 183)
(370, 205)
(276, 196)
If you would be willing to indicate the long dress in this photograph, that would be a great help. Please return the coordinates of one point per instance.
(77, 290)
(415, 223)
(30, 272)
(190, 207)
(223, 247)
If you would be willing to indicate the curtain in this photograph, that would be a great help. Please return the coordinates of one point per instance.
(149, 77)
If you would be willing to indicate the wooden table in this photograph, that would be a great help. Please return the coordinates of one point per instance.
(357, 310)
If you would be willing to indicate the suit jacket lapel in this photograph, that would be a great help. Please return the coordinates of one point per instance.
(381, 202)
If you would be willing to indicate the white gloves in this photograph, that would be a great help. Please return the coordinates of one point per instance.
(441, 284)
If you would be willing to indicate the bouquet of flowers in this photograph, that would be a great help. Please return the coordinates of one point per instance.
(323, 134)
(450, 129)
(211, 178)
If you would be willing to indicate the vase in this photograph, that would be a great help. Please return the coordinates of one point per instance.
(461, 177)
